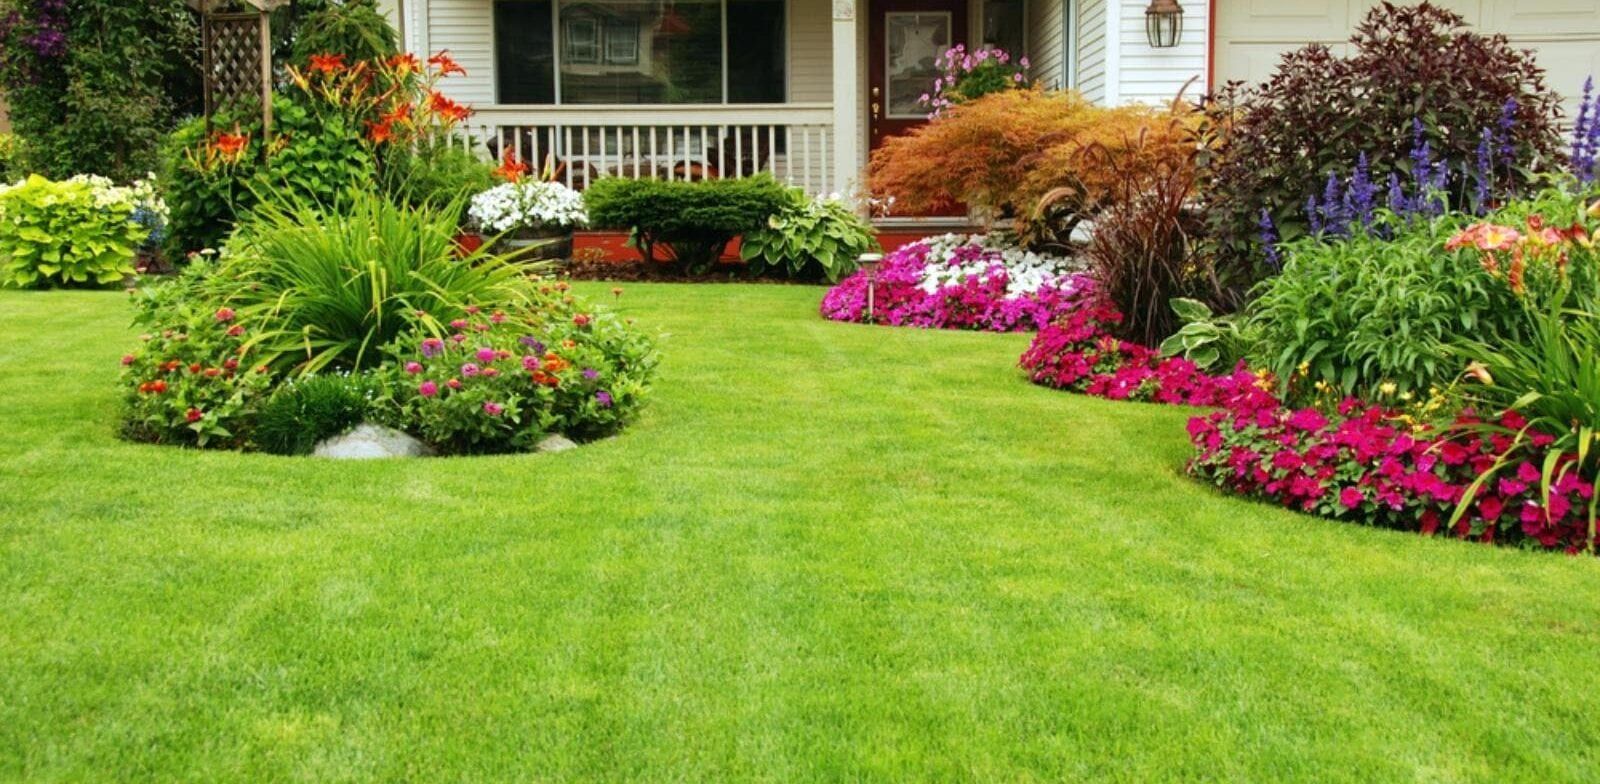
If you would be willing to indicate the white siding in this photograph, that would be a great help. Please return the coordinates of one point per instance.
(1150, 75)
(466, 28)
(1091, 49)
(1047, 42)
(810, 51)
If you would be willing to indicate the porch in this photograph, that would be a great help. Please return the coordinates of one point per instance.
(696, 89)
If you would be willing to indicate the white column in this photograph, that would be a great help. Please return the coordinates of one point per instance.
(847, 132)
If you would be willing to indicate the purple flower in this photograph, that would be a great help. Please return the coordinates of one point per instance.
(530, 364)
(432, 347)
(532, 343)
(591, 374)
(1269, 239)
(603, 398)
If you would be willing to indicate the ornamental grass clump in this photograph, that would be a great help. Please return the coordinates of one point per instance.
(327, 291)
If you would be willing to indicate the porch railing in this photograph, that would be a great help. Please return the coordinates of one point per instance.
(793, 142)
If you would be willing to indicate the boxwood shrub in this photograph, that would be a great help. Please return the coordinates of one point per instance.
(693, 220)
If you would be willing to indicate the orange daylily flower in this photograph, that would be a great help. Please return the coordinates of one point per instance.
(405, 64)
(380, 132)
(327, 63)
(512, 169)
(446, 64)
(447, 108)
(231, 145)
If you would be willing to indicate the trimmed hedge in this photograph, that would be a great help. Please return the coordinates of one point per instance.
(694, 220)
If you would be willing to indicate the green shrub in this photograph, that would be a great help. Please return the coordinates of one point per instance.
(694, 220)
(809, 239)
(328, 290)
(1367, 311)
(209, 187)
(92, 85)
(437, 176)
(303, 412)
(353, 28)
(71, 233)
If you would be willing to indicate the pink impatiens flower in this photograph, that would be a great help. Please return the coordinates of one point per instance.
(413, 368)
(224, 315)
(492, 408)
(427, 389)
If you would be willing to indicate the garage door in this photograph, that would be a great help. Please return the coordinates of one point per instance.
(1252, 34)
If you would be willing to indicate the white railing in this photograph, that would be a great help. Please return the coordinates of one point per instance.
(792, 142)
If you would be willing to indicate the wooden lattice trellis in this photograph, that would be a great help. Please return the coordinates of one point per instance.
(236, 56)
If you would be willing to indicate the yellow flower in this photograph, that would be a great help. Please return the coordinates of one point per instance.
(1305, 367)
(1479, 373)
(1386, 388)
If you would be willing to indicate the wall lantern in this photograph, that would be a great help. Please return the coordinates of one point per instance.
(1163, 23)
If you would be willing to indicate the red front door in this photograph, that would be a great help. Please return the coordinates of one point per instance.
(905, 39)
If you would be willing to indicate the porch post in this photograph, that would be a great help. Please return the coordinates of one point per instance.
(846, 97)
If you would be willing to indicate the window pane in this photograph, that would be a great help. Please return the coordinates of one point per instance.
(756, 51)
(915, 43)
(641, 51)
(1003, 26)
(524, 51)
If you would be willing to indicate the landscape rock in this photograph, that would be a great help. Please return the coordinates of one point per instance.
(556, 443)
(370, 442)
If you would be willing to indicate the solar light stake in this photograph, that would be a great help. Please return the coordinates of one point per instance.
(869, 265)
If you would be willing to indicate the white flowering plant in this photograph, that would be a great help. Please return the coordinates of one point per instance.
(528, 205)
(954, 258)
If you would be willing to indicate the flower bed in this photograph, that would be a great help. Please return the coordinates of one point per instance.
(1078, 353)
(1370, 465)
(960, 282)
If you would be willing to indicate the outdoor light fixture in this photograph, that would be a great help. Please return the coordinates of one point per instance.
(868, 262)
(1163, 23)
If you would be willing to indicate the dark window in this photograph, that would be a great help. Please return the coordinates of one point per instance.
(524, 51)
(641, 51)
(756, 51)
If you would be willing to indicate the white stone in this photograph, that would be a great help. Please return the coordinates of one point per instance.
(556, 443)
(370, 442)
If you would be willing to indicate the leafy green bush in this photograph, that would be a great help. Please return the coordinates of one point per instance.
(353, 28)
(1368, 311)
(694, 220)
(303, 412)
(437, 176)
(1212, 342)
(211, 183)
(810, 239)
(69, 233)
(328, 290)
(91, 85)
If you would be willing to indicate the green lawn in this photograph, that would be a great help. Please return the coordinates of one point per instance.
(828, 552)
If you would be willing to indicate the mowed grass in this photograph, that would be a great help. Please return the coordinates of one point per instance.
(826, 553)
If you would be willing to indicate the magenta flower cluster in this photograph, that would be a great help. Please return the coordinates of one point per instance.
(1368, 465)
(1079, 353)
(903, 297)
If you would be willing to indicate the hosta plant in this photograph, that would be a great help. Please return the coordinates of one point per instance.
(79, 232)
(810, 239)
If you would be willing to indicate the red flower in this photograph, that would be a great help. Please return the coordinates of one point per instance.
(235, 330)
(193, 415)
(380, 132)
(224, 315)
(512, 169)
(445, 64)
(580, 320)
(231, 145)
(327, 63)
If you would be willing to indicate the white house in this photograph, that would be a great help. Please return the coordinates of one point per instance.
(806, 88)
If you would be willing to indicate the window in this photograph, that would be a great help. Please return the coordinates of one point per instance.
(582, 37)
(622, 43)
(1004, 26)
(640, 51)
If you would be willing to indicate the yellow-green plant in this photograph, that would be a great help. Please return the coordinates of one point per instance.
(71, 233)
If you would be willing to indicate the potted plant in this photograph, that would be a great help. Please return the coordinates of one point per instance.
(532, 219)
